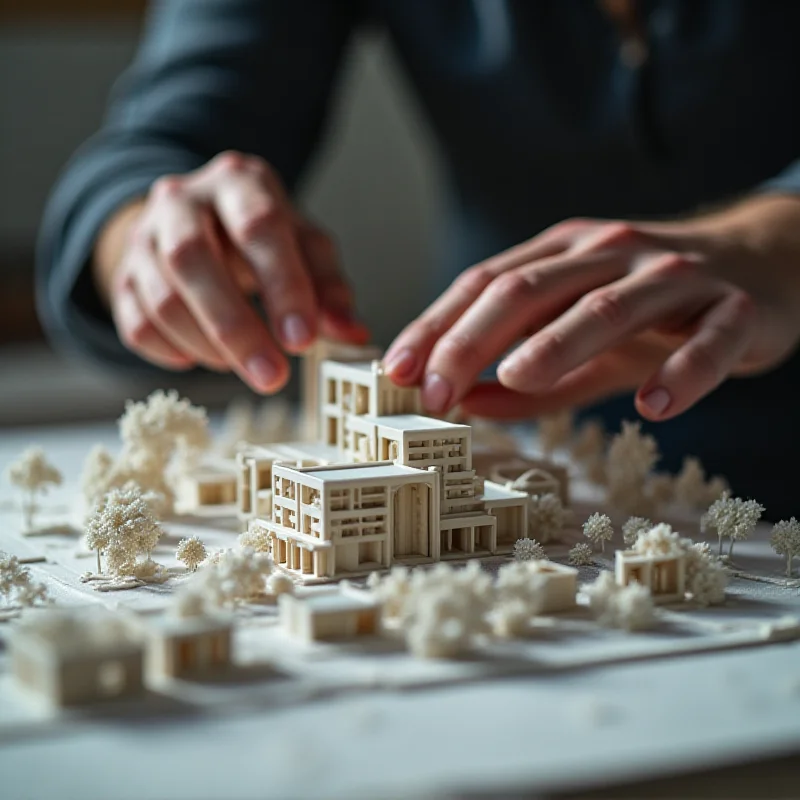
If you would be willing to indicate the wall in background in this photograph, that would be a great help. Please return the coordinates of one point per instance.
(375, 185)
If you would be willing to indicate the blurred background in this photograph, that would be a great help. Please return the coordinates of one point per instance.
(374, 185)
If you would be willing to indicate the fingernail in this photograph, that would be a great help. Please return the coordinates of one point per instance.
(436, 393)
(263, 372)
(402, 364)
(657, 401)
(295, 331)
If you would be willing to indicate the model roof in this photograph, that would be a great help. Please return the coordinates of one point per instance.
(413, 422)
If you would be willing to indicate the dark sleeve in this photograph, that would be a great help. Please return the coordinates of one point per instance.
(786, 182)
(210, 75)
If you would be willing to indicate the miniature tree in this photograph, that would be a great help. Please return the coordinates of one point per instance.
(392, 590)
(555, 430)
(630, 607)
(732, 518)
(124, 528)
(191, 552)
(278, 583)
(444, 609)
(660, 489)
(581, 555)
(518, 596)
(236, 576)
(785, 541)
(692, 490)
(546, 516)
(256, 538)
(633, 527)
(598, 529)
(97, 474)
(33, 474)
(660, 540)
(589, 443)
(16, 584)
(631, 458)
(528, 550)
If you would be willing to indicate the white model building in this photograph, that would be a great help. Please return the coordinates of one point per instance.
(72, 659)
(189, 646)
(663, 575)
(559, 585)
(211, 485)
(385, 485)
(330, 614)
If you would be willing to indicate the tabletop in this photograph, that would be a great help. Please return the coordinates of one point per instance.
(560, 713)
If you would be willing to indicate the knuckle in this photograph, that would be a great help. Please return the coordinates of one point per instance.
(700, 362)
(511, 286)
(549, 350)
(474, 280)
(229, 161)
(233, 335)
(672, 266)
(606, 306)
(164, 308)
(137, 335)
(182, 256)
(167, 186)
(454, 348)
(614, 234)
(258, 222)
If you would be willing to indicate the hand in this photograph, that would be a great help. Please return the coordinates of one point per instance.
(177, 270)
(605, 307)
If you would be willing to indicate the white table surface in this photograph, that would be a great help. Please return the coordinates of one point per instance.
(556, 730)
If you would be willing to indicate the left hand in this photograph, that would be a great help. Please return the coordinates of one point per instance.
(601, 307)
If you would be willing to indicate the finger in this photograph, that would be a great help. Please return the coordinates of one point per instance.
(669, 289)
(514, 303)
(138, 333)
(405, 359)
(585, 385)
(258, 219)
(164, 306)
(335, 298)
(703, 362)
(190, 259)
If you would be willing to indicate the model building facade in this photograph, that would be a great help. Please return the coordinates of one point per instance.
(385, 485)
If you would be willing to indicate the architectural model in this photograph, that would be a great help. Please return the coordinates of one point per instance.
(384, 485)
(190, 646)
(77, 658)
(331, 614)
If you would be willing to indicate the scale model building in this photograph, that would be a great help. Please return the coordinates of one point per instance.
(384, 486)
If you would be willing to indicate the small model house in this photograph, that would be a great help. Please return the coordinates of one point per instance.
(72, 659)
(190, 646)
(560, 586)
(330, 615)
(664, 576)
(211, 485)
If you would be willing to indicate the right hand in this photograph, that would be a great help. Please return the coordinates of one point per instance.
(177, 269)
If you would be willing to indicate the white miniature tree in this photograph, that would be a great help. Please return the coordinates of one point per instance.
(581, 555)
(633, 527)
(528, 550)
(692, 489)
(16, 584)
(97, 475)
(518, 596)
(157, 434)
(631, 458)
(630, 607)
(256, 538)
(785, 541)
(124, 528)
(236, 576)
(191, 551)
(732, 518)
(555, 430)
(598, 530)
(445, 609)
(279, 583)
(590, 442)
(546, 516)
(33, 474)
(392, 590)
